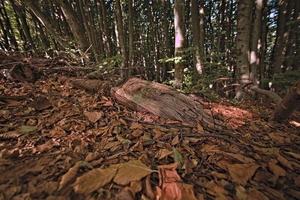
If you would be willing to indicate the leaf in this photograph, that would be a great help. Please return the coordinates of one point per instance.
(168, 183)
(175, 140)
(216, 190)
(241, 173)
(10, 135)
(27, 129)
(126, 194)
(284, 162)
(178, 157)
(240, 157)
(241, 193)
(70, 175)
(257, 195)
(275, 169)
(95, 179)
(133, 170)
(93, 116)
(135, 126)
(162, 153)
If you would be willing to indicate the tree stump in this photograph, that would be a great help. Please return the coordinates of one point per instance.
(163, 101)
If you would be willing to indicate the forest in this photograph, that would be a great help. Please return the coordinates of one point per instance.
(151, 100)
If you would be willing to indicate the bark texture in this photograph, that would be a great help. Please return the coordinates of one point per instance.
(179, 41)
(164, 102)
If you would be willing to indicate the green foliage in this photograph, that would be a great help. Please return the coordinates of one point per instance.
(282, 81)
(111, 62)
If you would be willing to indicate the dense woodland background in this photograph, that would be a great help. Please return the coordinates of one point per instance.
(194, 42)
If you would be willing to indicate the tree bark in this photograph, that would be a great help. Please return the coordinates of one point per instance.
(164, 102)
(179, 42)
(130, 32)
(121, 38)
(290, 103)
(197, 24)
(242, 40)
(46, 21)
(256, 40)
(282, 35)
(74, 23)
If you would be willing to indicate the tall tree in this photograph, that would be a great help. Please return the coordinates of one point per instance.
(198, 35)
(179, 41)
(282, 35)
(74, 23)
(256, 40)
(121, 39)
(242, 42)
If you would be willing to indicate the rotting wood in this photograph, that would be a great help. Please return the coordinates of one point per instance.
(163, 101)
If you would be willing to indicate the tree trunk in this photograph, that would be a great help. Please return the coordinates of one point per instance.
(281, 36)
(256, 40)
(242, 42)
(197, 43)
(290, 103)
(130, 32)
(46, 21)
(179, 42)
(121, 38)
(74, 23)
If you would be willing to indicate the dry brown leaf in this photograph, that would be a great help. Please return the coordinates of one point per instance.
(136, 186)
(95, 179)
(133, 170)
(170, 186)
(282, 160)
(175, 140)
(70, 175)
(187, 192)
(240, 157)
(241, 193)
(93, 116)
(162, 153)
(297, 181)
(148, 190)
(275, 169)
(257, 195)
(278, 138)
(46, 146)
(208, 148)
(136, 125)
(126, 194)
(57, 132)
(216, 190)
(241, 173)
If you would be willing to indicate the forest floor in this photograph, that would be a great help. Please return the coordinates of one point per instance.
(59, 142)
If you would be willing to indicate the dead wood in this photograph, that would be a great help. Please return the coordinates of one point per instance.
(164, 102)
(272, 95)
(289, 103)
(91, 85)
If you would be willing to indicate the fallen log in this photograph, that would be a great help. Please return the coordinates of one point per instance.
(163, 101)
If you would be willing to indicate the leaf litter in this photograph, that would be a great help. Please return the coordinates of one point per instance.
(61, 142)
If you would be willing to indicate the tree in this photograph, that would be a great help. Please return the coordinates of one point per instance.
(198, 35)
(242, 42)
(121, 39)
(74, 23)
(179, 41)
(256, 40)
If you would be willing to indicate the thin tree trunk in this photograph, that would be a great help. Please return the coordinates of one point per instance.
(179, 42)
(242, 40)
(46, 21)
(130, 32)
(74, 23)
(282, 36)
(256, 40)
(121, 38)
(197, 43)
